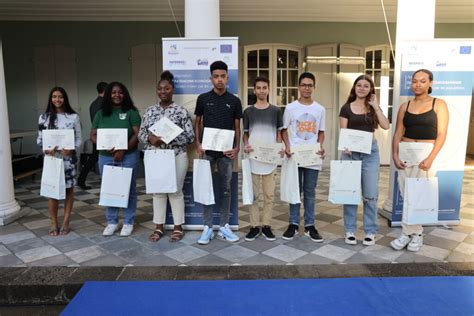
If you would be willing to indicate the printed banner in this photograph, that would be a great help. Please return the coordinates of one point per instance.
(189, 61)
(452, 64)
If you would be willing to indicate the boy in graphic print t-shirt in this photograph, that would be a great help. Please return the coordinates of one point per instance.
(304, 123)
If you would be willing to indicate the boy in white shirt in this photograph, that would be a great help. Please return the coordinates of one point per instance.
(262, 123)
(304, 123)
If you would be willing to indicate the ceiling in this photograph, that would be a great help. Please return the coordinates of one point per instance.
(447, 11)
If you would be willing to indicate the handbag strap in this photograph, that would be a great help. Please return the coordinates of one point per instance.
(117, 162)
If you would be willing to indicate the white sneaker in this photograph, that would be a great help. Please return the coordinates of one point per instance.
(206, 236)
(415, 243)
(226, 233)
(369, 240)
(401, 242)
(127, 230)
(110, 229)
(350, 238)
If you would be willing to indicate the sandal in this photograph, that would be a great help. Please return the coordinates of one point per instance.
(54, 231)
(156, 235)
(64, 231)
(177, 235)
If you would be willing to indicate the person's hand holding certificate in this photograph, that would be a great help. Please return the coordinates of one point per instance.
(268, 153)
(58, 138)
(166, 129)
(217, 139)
(307, 155)
(413, 153)
(355, 140)
(112, 138)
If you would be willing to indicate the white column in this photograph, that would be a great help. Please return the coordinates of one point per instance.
(202, 19)
(9, 208)
(415, 20)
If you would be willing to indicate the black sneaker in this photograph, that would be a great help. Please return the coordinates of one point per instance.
(267, 233)
(253, 233)
(290, 232)
(312, 233)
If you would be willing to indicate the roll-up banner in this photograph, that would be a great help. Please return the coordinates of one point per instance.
(452, 64)
(189, 60)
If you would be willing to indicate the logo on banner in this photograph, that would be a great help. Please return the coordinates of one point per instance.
(226, 48)
(202, 62)
(173, 50)
(413, 49)
(465, 50)
(407, 82)
(416, 63)
(177, 62)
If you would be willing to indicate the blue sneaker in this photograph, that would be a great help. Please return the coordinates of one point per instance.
(227, 234)
(206, 236)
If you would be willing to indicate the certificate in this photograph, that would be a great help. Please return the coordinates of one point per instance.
(108, 138)
(307, 155)
(268, 153)
(355, 140)
(217, 139)
(166, 129)
(412, 153)
(61, 138)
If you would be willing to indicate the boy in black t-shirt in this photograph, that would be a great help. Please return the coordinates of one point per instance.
(218, 109)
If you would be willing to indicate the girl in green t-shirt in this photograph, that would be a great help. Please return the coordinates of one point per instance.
(118, 111)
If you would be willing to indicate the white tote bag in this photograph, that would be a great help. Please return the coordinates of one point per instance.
(345, 182)
(115, 187)
(289, 183)
(420, 201)
(247, 188)
(160, 171)
(53, 182)
(202, 182)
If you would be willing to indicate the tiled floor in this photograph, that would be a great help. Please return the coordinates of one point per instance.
(27, 243)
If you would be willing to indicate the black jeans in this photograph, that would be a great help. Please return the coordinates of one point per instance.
(90, 163)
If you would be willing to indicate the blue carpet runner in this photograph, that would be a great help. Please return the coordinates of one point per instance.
(348, 296)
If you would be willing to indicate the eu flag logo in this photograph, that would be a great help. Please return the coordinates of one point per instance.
(226, 48)
(466, 50)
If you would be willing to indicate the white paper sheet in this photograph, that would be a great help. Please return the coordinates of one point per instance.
(268, 153)
(166, 129)
(412, 153)
(108, 138)
(355, 140)
(217, 139)
(61, 138)
(307, 155)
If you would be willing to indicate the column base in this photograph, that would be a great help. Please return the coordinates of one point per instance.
(12, 211)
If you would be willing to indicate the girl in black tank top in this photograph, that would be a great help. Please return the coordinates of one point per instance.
(421, 126)
(429, 127)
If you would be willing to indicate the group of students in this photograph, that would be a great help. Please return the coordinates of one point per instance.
(423, 119)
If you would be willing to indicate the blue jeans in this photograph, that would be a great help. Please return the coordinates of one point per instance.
(129, 161)
(370, 192)
(224, 168)
(308, 179)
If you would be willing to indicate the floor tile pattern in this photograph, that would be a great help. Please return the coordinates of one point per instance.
(27, 243)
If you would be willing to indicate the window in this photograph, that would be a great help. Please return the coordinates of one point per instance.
(258, 64)
(281, 64)
(379, 64)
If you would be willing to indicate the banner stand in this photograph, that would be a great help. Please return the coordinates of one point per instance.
(452, 64)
